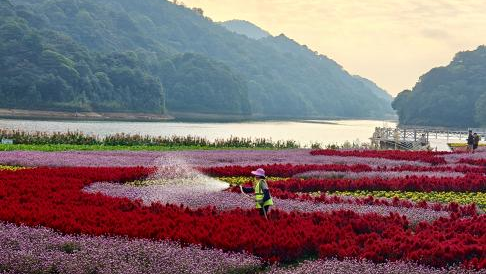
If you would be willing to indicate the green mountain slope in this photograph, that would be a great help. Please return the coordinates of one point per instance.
(379, 92)
(454, 95)
(43, 68)
(275, 76)
(48, 70)
(245, 28)
(322, 85)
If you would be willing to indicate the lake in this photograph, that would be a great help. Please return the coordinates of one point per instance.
(304, 132)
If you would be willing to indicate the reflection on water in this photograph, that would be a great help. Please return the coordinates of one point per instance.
(305, 132)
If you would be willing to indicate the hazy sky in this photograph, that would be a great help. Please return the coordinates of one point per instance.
(391, 42)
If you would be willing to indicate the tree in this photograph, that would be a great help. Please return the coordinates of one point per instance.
(198, 11)
(453, 95)
(480, 110)
(82, 39)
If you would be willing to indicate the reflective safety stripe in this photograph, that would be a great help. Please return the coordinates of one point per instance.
(258, 191)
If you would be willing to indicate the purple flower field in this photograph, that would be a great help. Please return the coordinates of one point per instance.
(194, 158)
(375, 174)
(364, 267)
(480, 153)
(41, 250)
(73, 158)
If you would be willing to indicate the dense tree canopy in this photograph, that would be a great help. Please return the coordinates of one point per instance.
(480, 112)
(245, 28)
(454, 95)
(116, 54)
(197, 83)
(48, 70)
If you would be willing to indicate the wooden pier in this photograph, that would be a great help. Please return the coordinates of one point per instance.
(417, 138)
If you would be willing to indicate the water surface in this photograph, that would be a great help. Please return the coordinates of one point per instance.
(305, 132)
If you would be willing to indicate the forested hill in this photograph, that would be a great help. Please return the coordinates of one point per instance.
(124, 55)
(245, 28)
(454, 95)
(379, 92)
(51, 59)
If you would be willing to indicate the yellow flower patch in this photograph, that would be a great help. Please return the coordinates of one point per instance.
(235, 181)
(479, 198)
(12, 168)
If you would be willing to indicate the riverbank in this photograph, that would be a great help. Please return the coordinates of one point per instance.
(81, 116)
(169, 117)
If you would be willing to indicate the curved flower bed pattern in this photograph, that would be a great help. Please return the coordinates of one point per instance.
(476, 162)
(40, 250)
(334, 266)
(421, 156)
(53, 197)
(465, 198)
(281, 170)
(291, 170)
(204, 158)
(374, 174)
(137, 212)
(470, 182)
(288, 202)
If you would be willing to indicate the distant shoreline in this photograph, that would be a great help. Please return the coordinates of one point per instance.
(170, 117)
(81, 116)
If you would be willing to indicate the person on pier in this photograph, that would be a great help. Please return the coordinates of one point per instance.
(470, 142)
(476, 141)
(423, 140)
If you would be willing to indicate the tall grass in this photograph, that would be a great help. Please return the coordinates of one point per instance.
(122, 139)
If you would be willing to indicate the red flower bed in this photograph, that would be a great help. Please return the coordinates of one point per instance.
(476, 162)
(53, 197)
(280, 170)
(422, 156)
(289, 170)
(470, 182)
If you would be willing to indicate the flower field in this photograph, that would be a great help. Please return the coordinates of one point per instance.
(176, 211)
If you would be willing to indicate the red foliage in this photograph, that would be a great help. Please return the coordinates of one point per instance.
(422, 156)
(476, 162)
(470, 182)
(53, 197)
(280, 170)
(289, 170)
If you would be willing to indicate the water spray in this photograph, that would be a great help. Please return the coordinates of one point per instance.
(176, 172)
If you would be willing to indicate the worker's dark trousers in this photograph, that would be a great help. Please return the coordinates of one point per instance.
(266, 210)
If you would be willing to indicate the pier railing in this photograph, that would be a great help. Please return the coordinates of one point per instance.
(417, 137)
